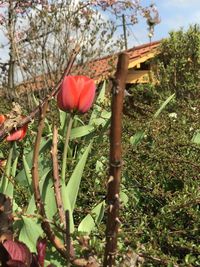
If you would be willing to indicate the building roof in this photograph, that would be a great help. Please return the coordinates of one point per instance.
(98, 69)
(105, 67)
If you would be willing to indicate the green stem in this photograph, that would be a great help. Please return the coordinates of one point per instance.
(64, 159)
(8, 169)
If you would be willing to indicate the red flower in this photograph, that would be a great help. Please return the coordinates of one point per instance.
(76, 93)
(2, 119)
(18, 134)
(15, 135)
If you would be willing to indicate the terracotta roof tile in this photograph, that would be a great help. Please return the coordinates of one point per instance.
(98, 69)
(103, 68)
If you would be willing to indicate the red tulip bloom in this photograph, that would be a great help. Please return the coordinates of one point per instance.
(2, 119)
(18, 134)
(15, 135)
(76, 93)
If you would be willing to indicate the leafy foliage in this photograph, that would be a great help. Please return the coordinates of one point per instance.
(161, 178)
(160, 183)
(179, 63)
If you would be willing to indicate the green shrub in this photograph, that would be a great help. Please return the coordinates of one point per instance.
(178, 68)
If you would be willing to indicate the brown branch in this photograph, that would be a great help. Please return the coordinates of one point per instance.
(64, 216)
(115, 161)
(35, 176)
(56, 178)
(17, 217)
(4, 132)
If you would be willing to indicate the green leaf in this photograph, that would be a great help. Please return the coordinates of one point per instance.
(45, 144)
(196, 138)
(63, 118)
(190, 259)
(10, 187)
(31, 206)
(137, 138)
(48, 196)
(35, 100)
(30, 232)
(9, 190)
(164, 104)
(98, 121)
(97, 106)
(102, 94)
(123, 198)
(72, 187)
(92, 220)
(81, 131)
(27, 171)
(67, 206)
(14, 166)
(4, 180)
(106, 114)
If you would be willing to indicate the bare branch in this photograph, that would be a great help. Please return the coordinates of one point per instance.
(57, 243)
(56, 178)
(113, 201)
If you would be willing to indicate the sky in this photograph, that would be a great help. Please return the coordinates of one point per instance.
(174, 14)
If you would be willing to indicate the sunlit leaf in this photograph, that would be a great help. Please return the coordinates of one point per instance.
(196, 138)
(137, 138)
(106, 114)
(27, 172)
(31, 206)
(92, 220)
(164, 104)
(73, 185)
(21, 176)
(5, 179)
(30, 232)
(9, 190)
(123, 198)
(97, 105)
(63, 118)
(81, 131)
(14, 166)
(48, 196)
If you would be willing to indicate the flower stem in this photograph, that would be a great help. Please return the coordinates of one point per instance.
(64, 159)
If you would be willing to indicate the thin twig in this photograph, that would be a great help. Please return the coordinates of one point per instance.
(57, 243)
(17, 217)
(113, 221)
(56, 178)
(4, 132)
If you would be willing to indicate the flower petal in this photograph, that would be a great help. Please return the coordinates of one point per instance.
(87, 96)
(2, 119)
(18, 134)
(76, 93)
(69, 94)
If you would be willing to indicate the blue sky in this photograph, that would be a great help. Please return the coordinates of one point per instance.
(174, 14)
